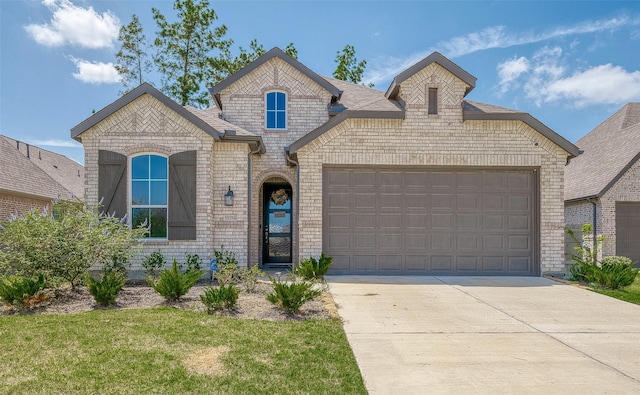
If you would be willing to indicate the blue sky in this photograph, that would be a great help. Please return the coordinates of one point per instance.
(570, 64)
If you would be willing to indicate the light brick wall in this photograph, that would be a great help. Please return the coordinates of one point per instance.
(11, 204)
(440, 140)
(147, 126)
(243, 104)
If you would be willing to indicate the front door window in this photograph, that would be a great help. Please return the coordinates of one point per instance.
(277, 223)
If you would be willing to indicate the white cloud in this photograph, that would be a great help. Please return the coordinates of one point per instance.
(77, 26)
(95, 72)
(509, 71)
(57, 143)
(547, 80)
(605, 84)
(488, 38)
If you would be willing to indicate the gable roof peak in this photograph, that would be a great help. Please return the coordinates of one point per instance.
(435, 57)
(274, 52)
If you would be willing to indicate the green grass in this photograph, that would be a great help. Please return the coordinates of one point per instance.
(630, 293)
(143, 351)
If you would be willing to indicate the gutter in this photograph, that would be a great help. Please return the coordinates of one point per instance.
(595, 223)
(293, 160)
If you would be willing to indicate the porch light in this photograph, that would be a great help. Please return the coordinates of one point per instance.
(228, 197)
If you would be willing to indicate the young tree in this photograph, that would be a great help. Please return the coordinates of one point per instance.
(185, 56)
(132, 61)
(349, 69)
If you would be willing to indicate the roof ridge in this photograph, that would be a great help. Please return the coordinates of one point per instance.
(631, 116)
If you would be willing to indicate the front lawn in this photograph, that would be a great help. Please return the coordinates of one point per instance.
(630, 293)
(171, 351)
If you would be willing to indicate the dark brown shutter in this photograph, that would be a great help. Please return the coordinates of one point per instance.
(112, 182)
(182, 196)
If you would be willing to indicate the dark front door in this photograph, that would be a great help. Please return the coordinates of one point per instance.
(277, 224)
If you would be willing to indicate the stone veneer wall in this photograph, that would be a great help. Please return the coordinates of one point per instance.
(15, 204)
(147, 126)
(243, 104)
(436, 140)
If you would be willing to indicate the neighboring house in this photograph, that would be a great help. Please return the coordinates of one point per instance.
(602, 185)
(32, 177)
(414, 180)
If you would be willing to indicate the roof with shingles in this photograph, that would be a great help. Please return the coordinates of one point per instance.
(37, 172)
(609, 151)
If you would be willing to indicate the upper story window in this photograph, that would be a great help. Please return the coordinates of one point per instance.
(433, 101)
(149, 193)
(276, 110)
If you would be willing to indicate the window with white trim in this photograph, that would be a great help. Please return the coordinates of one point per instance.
(276, 110)
(149, 193)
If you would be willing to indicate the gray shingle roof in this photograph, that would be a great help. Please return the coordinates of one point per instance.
(609, 150)
(42, 173)
(360, 97)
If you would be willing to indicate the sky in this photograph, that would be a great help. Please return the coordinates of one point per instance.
(570, 64)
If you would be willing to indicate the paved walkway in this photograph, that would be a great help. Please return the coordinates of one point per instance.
(478, 335)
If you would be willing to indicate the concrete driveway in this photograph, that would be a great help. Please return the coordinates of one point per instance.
(478, 335)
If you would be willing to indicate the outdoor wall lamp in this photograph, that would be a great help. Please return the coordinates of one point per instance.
(228, 197)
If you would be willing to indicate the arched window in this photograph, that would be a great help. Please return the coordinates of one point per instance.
(276, 110)
(149, 193)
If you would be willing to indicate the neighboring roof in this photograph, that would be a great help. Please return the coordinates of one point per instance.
(483, 112)
(34, 172)
(273, 53)
(357, 101)
(435, 57)
(609, 151)
(203, 119)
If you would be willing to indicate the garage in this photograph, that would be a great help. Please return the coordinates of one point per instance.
(628, 230)
(431, 221)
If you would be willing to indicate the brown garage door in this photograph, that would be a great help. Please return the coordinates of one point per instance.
(430, 221)
(628, 230)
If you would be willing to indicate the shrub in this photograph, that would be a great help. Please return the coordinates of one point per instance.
(227, 266)
(310, 268)
(21, 291)
(106, 290)
(585, 258)
(614, 272)
(291, 296)
(172, 284)
(249, 277)
(66, 241)
(153, 263)
(223, 297)
(193, 262)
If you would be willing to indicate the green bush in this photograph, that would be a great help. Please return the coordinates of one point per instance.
(153, 264)
(106, 290)
(66, 241)
(223, 297)
(614, 272)
(21, 291)
(227, 272)
(249, 277)
(193, 262)
(291, 296)
(310, 268)
(172, 284)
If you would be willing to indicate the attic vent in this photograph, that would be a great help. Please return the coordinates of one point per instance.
(229, 132)
(433, 100)
(55, 166)
(78, 172)
(40, 155)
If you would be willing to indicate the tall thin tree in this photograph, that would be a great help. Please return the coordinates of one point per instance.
(132, 61)
(186, 56)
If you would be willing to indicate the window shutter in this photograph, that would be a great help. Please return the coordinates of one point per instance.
(182, 196)
(112, 182)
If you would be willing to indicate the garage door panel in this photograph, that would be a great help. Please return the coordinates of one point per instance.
(426, 221)
(628, 230)
(341, 264)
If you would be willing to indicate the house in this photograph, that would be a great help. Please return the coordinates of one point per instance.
(31, 177)
(414, 180)
(602, 185)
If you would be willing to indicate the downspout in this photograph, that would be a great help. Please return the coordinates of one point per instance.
(249, 202)
(595, 223)
(297, 164)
